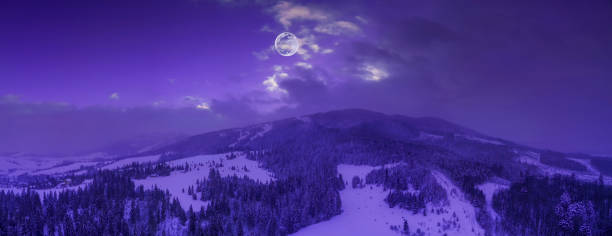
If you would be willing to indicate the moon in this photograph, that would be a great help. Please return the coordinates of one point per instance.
(286, 44)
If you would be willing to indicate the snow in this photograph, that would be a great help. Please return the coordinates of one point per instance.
(458, 204)
(21, 164)
(128, 161)
(586, 163)
(65, 168)
(178, 181)
(241, 136)
(532, 158)
(482, 140)
(57, 189)
(365, 212)
(16, 166)
(428, 136)
(489, 189)
(264, 129)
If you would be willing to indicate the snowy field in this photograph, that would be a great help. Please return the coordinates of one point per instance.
(178, 181)
(365, 213)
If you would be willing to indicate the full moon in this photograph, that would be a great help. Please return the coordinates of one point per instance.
(286, 44)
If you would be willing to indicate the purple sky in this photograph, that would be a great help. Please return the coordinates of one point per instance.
(78, 74)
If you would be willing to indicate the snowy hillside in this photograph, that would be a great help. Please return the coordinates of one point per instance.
(366, 213)
(590, 173)
(178, 181)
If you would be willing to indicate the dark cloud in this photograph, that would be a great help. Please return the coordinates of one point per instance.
(417, 33)
(306, 87)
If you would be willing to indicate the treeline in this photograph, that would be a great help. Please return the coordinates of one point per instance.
(241, 206)
(110, 205)
(559, 205)
(410, 187)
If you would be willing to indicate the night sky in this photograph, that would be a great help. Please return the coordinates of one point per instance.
(79, 74)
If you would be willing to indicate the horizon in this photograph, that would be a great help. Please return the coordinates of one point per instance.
(77, 76)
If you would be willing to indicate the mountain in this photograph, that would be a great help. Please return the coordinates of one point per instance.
(344, 172)
(341, 126)
(342, 130)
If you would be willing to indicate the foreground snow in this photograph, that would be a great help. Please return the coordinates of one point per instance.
(178, 182)
(365, 213)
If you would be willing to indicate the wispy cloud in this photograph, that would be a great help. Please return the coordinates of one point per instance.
(114, 96)
(287, 12)
(338, 28)
(264, 55)
(303, 65)
(374, 73)
(203, 106)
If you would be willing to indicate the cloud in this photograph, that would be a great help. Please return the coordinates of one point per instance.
(271, 82)
(338, 28)
(203, 106)
(264, 55)
(266, 28)
(303, 65)
(327, 51)
(287, 12)
(361, 19)
(374, 73)
(191, 100)
(194, 102)
(114, 96)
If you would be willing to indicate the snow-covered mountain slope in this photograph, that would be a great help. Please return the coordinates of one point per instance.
(66, 168)
(366, 213)
(178, 182)
(591, 174)
(47, 165)
(127, 161)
